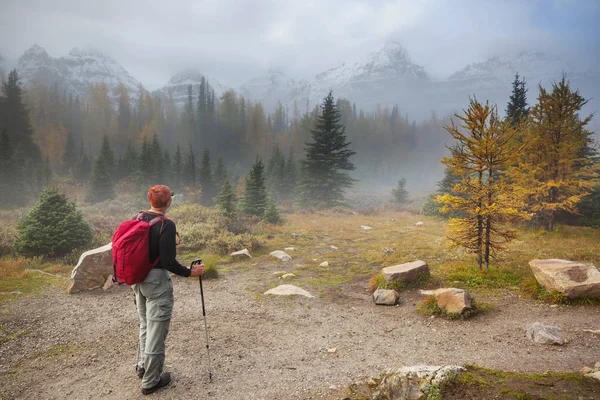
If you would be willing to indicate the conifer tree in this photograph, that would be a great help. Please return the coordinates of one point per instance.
(189, 169)
(290, 176)
(226, 200)
(7, 167)
(399, 192)
(327, 156)
(205, 177)
(556, 170)
(108, 156)
(14, 117)
(53, 228)
(271, 214)
(482, 148)
(100, 187)
(177, 169)
(82, 168)
(516, 109)
(276, 171)
(255, 193)
(156, 157)
(220, 172)
(69, 157)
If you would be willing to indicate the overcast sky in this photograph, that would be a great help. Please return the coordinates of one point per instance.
(235, 40)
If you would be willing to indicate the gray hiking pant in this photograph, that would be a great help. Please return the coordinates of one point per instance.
(154, 299)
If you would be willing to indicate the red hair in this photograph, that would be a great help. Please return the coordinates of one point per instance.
(159, 196)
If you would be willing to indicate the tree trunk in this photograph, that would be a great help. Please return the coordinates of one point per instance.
(480, 225)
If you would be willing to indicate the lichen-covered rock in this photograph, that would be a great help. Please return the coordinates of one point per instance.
(407, 272)
(282, 255)
(92, 270)
(240, 253)
(385, 297)
(414, 382)
(573, 279)
(544, 334)
(451, 300)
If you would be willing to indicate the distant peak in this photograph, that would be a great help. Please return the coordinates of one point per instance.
(79, 52)
(36, 49)
(392, 51)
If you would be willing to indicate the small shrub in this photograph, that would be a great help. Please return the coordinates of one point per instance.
(429, 306)
(380, 282)
(210, 267)
(53, 228)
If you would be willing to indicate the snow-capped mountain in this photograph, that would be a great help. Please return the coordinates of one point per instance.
(275, 86)
(178, 85)
(74, 72)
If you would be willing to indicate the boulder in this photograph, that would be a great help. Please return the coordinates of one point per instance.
(241, 253)
(288, 290)
(451, 300)
(324, 264)
(544, 334)
(573, 279)
(385, 297)
(408, 272)
(282, 255)
(92, 270)
(414, 383)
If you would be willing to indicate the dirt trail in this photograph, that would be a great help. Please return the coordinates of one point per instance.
(83, 346)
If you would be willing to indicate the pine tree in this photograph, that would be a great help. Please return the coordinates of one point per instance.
(290, 176)
(189, 169)
(323, 182)
(205, 177)
(484, 194)
(108, 156)
(220, 172)
(226, 200)
(14, 117)
(554, 170)
(100, 187)
(7, 168)
(271, 214)
(399, 192)
(516, 109)
(53, 228)
(255, 193)
(156, 157)
(69, 157)
(177, 169)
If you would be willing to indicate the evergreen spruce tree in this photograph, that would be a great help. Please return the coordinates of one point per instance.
(327, 156)
(271, 214)
(100, 187)
(205, 177)
(69, 157)
(7, 167)
(399, 192)
(83, 167)
(108, 156)
(177, 169)
(276, 172)
(516, 109)
(227, 200)
(14, 117)
(128, 163)
(189, 169)
(255, 193)
(145, 165)
(53, 228)
(156, 160)
(166, 167)
(291, 178)
(220, 172)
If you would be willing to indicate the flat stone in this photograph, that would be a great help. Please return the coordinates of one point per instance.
(414, 382)
(450, 300)
(573, 279)
(334, 247)
(289, 290)
(544, 334)
(366, 227)
(385, 297)
(290, 249)
(244, 252)
(286, 276)
(280, 273)
(282, 255)
(92, 270)
(324, 264)
(408, 272)
(595, 375)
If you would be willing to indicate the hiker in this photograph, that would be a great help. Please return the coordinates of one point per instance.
(154, 296)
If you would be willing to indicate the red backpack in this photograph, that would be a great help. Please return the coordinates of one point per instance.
(131, 250)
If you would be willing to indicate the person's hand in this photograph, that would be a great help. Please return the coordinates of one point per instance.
(197, 270)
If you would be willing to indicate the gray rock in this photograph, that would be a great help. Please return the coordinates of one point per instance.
(415, 382)
(544, 334)
(595, 375)
(451, 300)
(366, 227)
(282, 255)
(92, 270)
(385, 297)
(408, 272)
(290, 249)
(288, 290)
(324, 264)
(286, 276)
(574, 279)
(244, 252)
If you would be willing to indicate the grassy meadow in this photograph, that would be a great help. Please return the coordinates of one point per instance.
(353, 254)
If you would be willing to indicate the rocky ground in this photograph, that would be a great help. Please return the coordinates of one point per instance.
(83, 346)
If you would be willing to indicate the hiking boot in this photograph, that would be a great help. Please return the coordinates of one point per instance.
(140, 371)
(165, 379)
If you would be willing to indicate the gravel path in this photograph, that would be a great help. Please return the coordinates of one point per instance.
(83, 346)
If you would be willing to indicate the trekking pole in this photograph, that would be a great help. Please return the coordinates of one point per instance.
(205, 328)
